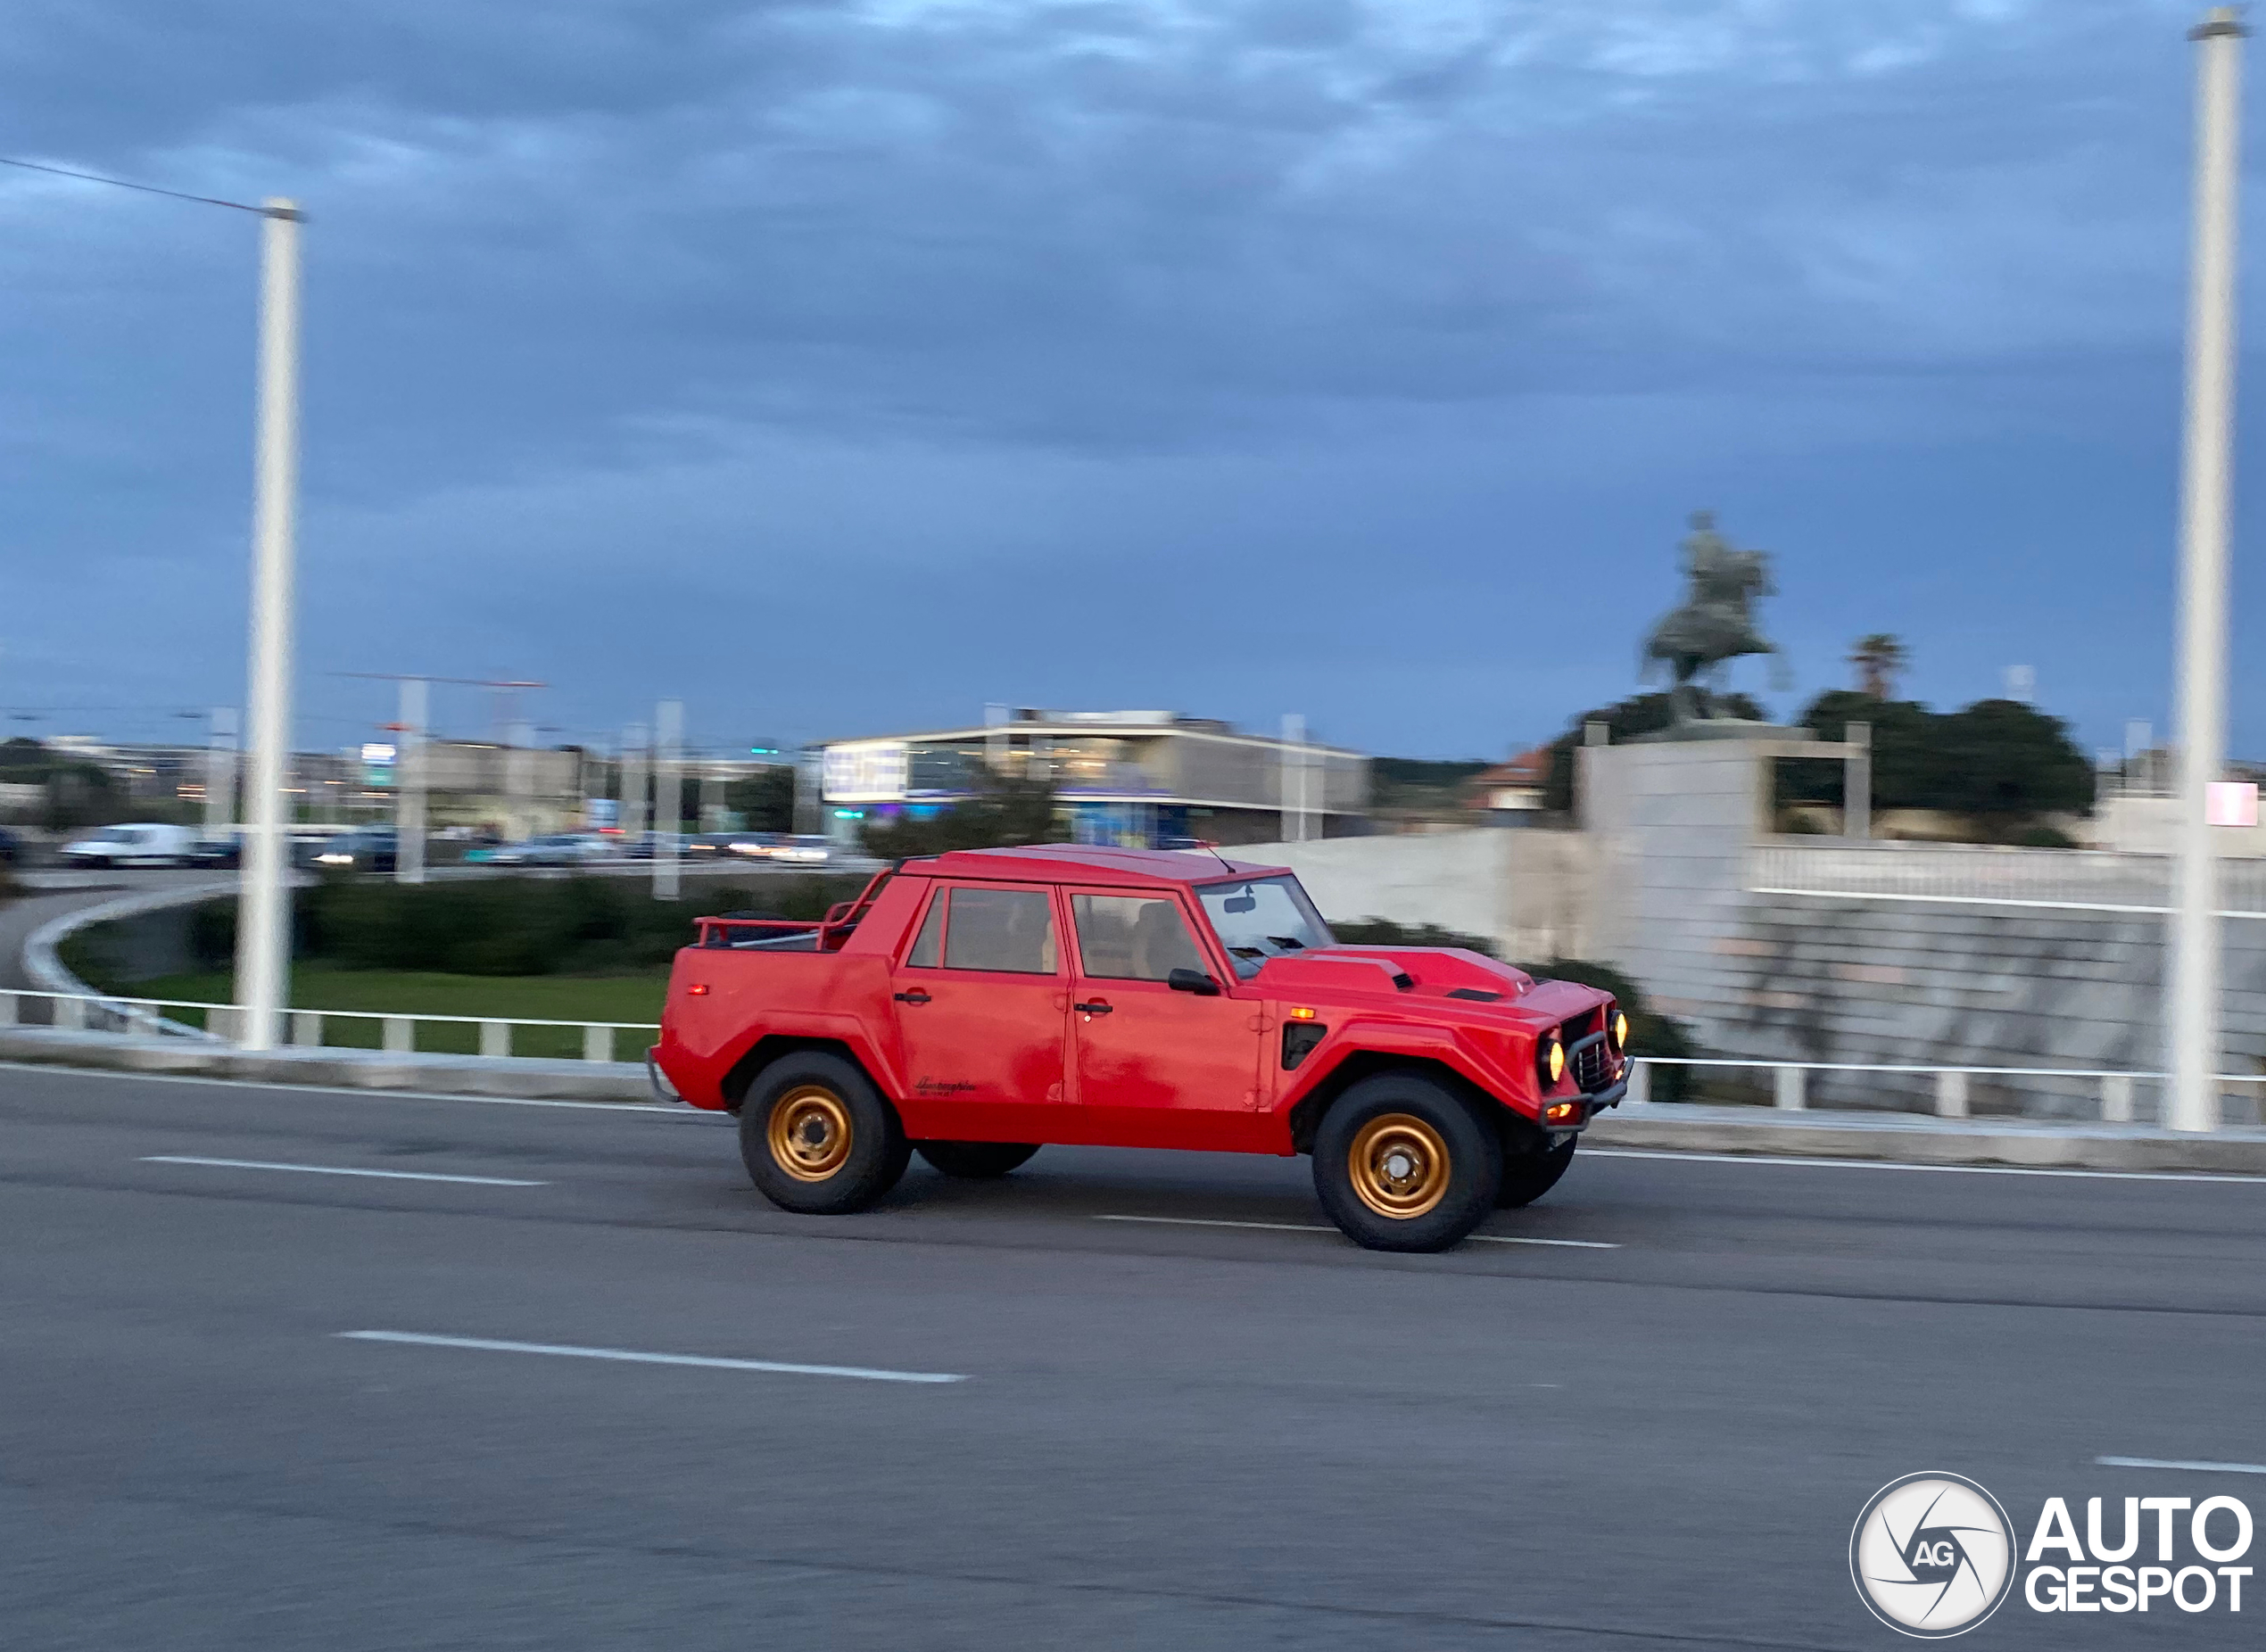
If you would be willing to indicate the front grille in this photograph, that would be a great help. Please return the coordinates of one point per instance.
(1591, 1065)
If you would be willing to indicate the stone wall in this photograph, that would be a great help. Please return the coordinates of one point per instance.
(1527, 891)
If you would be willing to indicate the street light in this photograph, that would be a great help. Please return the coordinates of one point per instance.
(263, 903)
(263, 915)
(2191, 981)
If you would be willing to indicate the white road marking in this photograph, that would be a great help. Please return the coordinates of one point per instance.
(1324, 1227)
(489, 1345)
(334, 1169)
(1892, 1164)
(1198, 1221)
(1574, 1245)
(2173, 1462)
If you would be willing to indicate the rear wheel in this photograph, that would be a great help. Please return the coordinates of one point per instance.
(980, 1161)
(1527, 1176)
(1403, 1163)
(817, 1138)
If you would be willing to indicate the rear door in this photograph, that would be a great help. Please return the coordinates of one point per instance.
(1155, 1066)
(981, 997)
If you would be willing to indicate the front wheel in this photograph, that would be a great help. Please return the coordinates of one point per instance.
(1403, 1163)
(980, 1161)
(1527, 1176)
(817, 1138)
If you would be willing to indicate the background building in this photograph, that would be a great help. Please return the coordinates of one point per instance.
(1133, 778)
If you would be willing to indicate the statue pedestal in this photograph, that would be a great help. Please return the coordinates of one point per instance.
(1719, 729)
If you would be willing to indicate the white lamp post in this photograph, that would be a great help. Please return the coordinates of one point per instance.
(2191, 983)
(263, 905)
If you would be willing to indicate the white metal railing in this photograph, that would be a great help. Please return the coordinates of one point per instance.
(1985, 875)
(394, 1033)
(1789, 1080)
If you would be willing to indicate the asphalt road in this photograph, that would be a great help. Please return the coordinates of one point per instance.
(1166, 1436)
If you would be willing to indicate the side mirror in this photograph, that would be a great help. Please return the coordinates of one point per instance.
(1193, 980)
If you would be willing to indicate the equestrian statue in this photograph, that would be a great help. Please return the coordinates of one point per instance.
(1716, 623)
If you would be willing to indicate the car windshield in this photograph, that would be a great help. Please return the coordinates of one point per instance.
(1262, 918)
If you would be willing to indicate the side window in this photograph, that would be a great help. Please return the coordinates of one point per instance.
(928, 948)
(1129, 937)
(1011, 929)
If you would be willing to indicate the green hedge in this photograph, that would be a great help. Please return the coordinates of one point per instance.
(508, 926)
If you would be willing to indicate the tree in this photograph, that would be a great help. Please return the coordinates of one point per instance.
(765, 799)
(1004, 811)
(2000, 762)
(1879, 660)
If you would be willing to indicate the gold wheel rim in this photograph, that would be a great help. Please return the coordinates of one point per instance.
(810, 1133)
(1399, 1165)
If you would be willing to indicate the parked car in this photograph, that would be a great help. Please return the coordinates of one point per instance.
(803, 851)
(141, 844)
(972, 1006)
(221, 853)
(373, 848)
(564, 849)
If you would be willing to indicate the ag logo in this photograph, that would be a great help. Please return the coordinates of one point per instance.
(1932, 1555)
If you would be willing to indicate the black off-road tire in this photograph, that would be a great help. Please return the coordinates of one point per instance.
(1528, 1176)
(817, 1138)
(975, 1162)
(1401, 1163)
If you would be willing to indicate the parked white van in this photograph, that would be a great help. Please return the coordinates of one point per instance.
(138, 845)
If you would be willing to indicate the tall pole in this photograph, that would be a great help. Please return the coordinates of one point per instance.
(2192, 981)
(633, 756)
(408, 784)
(263, 903)
(1293, 778)
(518, 760)
(220, 771)
(668, 796)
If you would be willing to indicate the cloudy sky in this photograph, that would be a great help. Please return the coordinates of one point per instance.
(840, 367)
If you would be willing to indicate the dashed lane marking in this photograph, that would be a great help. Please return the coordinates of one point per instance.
(338, 1169)
(482, 1344)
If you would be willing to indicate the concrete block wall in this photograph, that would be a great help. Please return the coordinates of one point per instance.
(1527, 891)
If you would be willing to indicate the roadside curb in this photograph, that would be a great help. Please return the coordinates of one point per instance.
(330, 1069)
(1908, 1139)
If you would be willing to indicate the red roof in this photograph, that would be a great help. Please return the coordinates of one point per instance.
(1077, 862)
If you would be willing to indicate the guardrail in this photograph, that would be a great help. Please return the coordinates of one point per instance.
(2103, 881)
(523, 1037)
(498, 1037)
(1789, 1080)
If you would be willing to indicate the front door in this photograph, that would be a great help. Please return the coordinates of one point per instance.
(1156, 1066)
(980, 1000)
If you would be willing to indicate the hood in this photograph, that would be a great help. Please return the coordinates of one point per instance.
(1447, 981)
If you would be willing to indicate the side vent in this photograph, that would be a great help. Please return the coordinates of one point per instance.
(1299, 1039)
(1477, 995)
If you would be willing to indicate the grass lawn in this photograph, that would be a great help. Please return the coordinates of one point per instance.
(633, 998)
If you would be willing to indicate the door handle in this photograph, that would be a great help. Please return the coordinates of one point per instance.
(915, 997)
(1097, 1007)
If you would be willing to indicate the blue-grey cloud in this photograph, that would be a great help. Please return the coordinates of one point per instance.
(843, 366)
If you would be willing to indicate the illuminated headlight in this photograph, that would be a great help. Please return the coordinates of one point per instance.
(1549, 1060)
(1616, 1030)
(334, 860)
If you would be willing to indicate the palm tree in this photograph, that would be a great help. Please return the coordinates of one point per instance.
(1878, 658)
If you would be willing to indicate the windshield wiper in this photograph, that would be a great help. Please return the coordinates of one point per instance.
(1288, 943)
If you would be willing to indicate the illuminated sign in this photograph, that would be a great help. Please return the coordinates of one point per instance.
(867, 771)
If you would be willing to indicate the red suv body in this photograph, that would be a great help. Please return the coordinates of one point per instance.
(1132, 998)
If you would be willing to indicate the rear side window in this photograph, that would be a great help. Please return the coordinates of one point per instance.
(927, 947)
(1127, 938)
(1009, 929)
